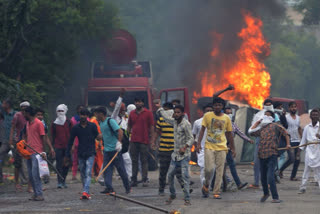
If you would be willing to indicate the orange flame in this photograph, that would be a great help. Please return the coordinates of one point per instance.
(193, 149)
(248, 73)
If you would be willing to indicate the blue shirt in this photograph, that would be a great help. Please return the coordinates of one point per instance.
(109, 134)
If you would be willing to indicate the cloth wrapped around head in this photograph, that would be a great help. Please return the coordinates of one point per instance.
(24, 104)
(61, 111)
(130, 108)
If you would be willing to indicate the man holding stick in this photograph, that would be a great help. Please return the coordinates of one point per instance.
(35, 136)
(310, 143)
(112, 136)
(269, 133)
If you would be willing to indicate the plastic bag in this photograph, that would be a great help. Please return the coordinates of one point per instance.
(43, 169)
(118, 146)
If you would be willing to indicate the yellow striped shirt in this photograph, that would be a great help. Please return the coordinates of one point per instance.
(167, 135)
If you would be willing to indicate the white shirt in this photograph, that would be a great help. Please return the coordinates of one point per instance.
(312, 156)
(196, 131)
(293, 126)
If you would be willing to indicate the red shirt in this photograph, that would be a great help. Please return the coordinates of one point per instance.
(35, 130)
(140, 125)
(61, 134)
(18, 121)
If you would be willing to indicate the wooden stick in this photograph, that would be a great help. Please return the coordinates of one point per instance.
(53, 167)
(151, 155)
(294, 147)
(139, 202)
(104, 169)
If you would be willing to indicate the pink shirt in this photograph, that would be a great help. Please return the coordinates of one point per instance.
(19, 122)
(35, 130)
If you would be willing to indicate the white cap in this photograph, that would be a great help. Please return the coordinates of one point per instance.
(24, 104)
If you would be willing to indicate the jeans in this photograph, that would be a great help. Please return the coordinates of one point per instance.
(63, 170)
(232, 167)
(139, 149)
(256, 167)
(282, 160)
(267, 176)
(293, 157)
(165, 160)
(119, 164)
(34, 176)
(184, 165)
(85, 166)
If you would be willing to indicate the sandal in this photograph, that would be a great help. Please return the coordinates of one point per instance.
(217, 196)
(276, 201)
(281, 174)
(253, 186)
(170, 199)
(264, 198)
(205, 191)
(18, 188)
(187, 203)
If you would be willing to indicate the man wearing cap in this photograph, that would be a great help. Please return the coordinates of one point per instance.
(20, 166)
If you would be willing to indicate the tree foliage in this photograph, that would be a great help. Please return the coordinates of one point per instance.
(294, 65)
(40, 38)
(311, 11)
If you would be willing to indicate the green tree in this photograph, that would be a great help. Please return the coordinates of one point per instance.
(39, 39)
(311, 11)
(294, 66)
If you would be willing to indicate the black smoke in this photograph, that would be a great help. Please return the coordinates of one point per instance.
(191, 23)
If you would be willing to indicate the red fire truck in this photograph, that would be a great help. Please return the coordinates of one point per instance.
(120, 70)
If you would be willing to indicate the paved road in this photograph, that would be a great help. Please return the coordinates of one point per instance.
(244, 201)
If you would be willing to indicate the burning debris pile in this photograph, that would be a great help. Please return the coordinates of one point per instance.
(243, 68)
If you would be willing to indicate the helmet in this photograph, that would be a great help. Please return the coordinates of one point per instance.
(22, 149)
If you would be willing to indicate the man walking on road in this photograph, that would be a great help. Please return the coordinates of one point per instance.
(311, 134)
(267, 106)
(166, 147)
(35, 137)
(183, 141)
(219, 132)
(87, 133)
(112, 135)
(269, 134)
(18, 124)
(141, 128)
(295, 133)
(230, 161)
(60, 133)
(196, 131)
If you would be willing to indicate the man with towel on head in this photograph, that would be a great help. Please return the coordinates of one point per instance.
(60, 133)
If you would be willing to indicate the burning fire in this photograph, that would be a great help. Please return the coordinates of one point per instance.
(248, 73)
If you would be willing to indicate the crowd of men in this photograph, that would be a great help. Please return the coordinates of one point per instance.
(95, 143)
